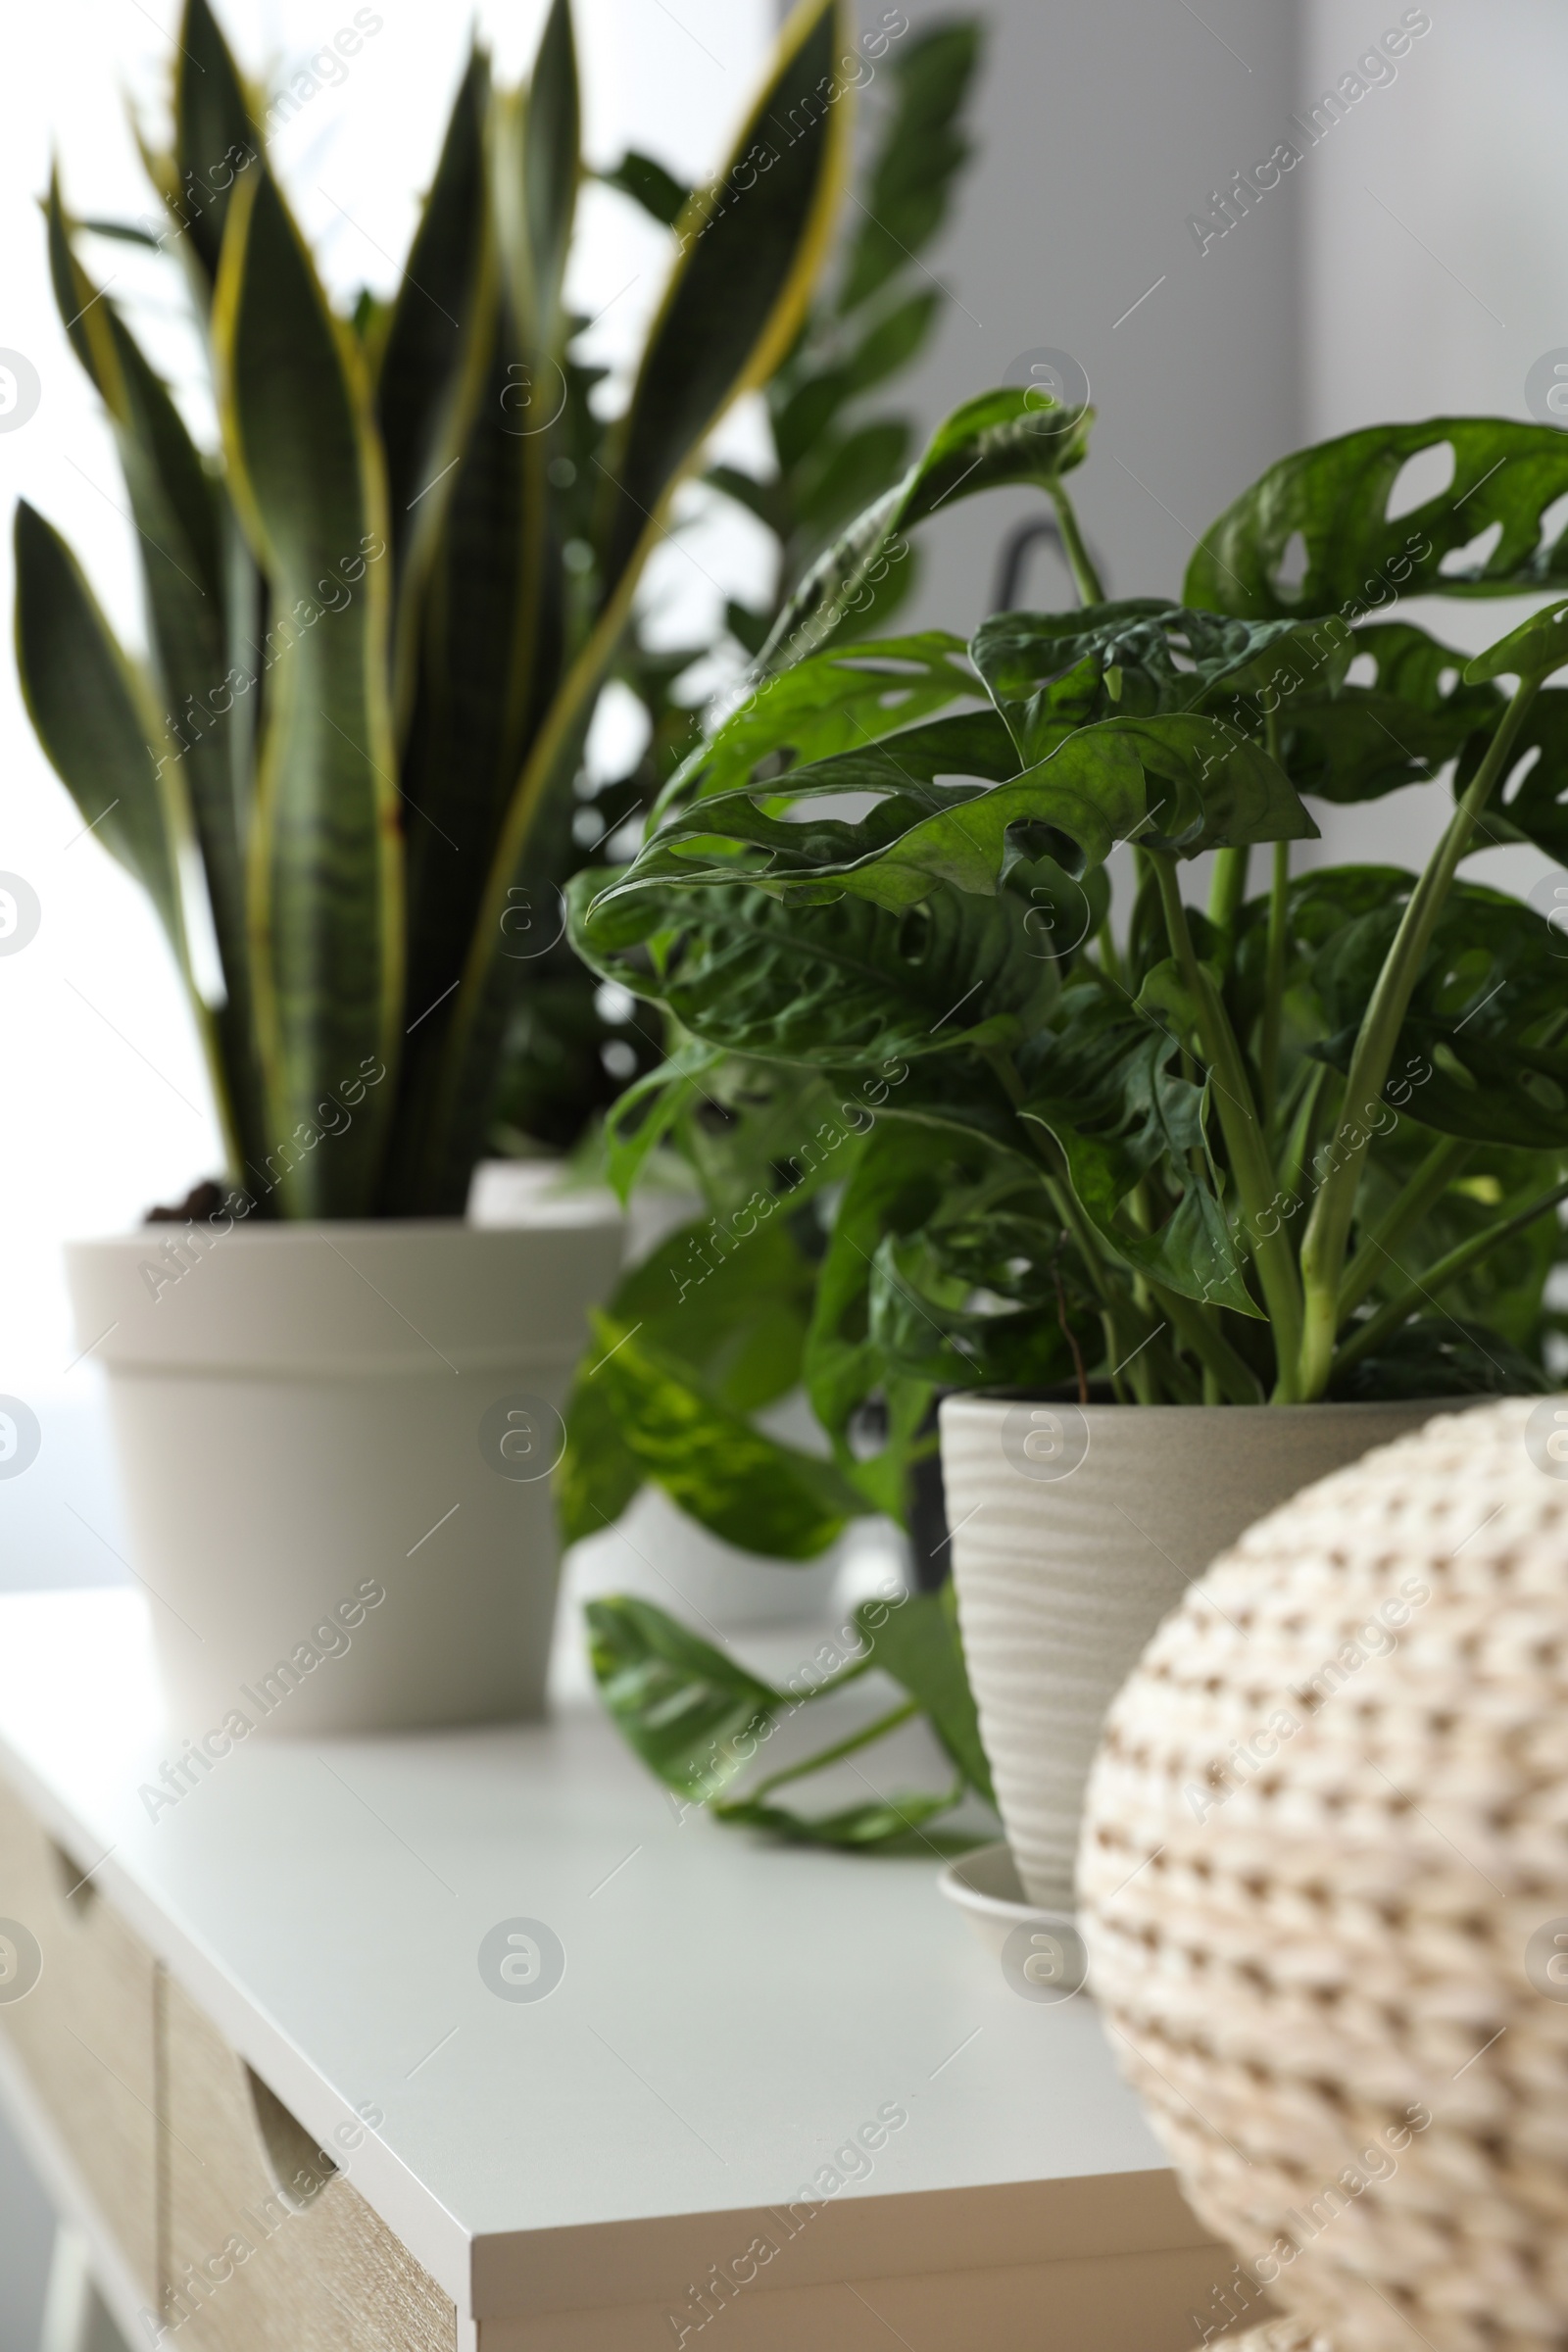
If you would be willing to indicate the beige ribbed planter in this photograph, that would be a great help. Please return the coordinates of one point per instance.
(1075, 1531)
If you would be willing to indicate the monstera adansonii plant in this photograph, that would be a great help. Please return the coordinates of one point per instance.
(381, 611)
(1308, 1143)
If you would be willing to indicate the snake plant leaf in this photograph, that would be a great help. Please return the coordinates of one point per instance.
(751, 248)
(325, 849)
(744, 1485)
(997, 440)
(834, 702)
(1477, 1052)
(751, 245)
(1534, 650)
(831, 986)
(124, 232)
(217, 138)
(431, 359)
(920, 158)
(490, 612)
(94, 716)
(182, 521)
(170, 479)
(551, 129)
(679, 1703)
(1481, 535)
(648, 185)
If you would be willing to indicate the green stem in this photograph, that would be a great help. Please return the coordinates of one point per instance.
(1244, 1140)
(1268, 1055)
(1232, 1375)
(1085, 578)
(1440, 1275)
(833, 1756)
(1303, 1134)
(1227, 888)
(1328, 1231)
(1411, 1204)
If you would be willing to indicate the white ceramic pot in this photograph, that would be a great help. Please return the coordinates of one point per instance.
(334, 1444)
(1074, 1532)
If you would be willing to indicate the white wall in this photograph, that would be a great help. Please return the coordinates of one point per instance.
(1103, 127)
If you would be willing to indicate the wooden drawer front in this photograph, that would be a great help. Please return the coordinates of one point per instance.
(85, 2032)
(1101, 2303)
(267, 2248)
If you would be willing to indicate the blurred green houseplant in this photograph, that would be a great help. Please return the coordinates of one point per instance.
(381, 616)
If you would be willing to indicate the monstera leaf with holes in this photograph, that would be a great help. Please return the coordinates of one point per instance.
(381, 611)
(1311, 1140)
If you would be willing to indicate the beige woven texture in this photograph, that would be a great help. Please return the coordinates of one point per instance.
(1329, 1816)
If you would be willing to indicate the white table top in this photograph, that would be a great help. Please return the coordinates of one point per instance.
(731, 2011)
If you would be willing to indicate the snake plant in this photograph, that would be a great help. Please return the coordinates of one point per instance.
(381, 611)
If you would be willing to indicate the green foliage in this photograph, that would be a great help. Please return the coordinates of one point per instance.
(381, 616)
(1335, 498)
(830, 457)
(697, 1719)
(1311, 1143)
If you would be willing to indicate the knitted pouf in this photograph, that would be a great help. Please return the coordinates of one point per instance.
(1324, 1886)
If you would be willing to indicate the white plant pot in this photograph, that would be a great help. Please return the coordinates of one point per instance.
(1074, 1532)
(334, 1444)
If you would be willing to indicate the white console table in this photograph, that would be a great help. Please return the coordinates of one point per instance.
(287, 1960)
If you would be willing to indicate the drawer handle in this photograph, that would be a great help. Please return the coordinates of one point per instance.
(300, 2169)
